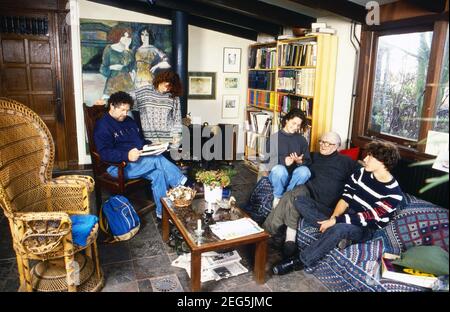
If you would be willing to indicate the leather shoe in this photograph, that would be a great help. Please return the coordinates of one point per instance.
(288, 265)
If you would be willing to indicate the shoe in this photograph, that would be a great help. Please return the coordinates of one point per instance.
(289, 249)
(288, 265)
(344, 243)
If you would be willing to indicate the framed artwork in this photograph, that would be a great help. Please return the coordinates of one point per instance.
(230, 106)
(202, 85)
(231, 83)
(231, 60)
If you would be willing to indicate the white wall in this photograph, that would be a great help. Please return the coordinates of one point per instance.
(344, 74)
(206, 54)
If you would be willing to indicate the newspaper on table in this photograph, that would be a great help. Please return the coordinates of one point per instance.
(154, 149)
(236, 228)
(214, 265)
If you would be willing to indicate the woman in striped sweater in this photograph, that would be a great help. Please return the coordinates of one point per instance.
(368, 203)
(159, 108)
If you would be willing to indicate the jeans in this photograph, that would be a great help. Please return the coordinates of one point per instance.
(160, 171)
(309, 210)
(282, 181)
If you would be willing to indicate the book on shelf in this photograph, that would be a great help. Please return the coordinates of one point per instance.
(398, 273)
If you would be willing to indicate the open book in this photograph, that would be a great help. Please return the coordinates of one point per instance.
(154, 149)
(398, 273)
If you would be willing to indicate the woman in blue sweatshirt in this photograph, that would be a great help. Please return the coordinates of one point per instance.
(289, 153)
(118, 138)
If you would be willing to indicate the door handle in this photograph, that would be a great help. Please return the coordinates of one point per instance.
(58, 102)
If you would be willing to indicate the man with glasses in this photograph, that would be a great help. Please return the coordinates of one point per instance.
(368, 202)
(329, 171)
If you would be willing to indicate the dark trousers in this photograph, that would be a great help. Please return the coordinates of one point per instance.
(312, 213)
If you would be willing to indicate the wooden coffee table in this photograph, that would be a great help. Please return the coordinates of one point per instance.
(185, 219)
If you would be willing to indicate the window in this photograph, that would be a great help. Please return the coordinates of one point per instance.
(403, 88)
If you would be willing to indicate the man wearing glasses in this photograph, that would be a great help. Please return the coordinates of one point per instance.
(329, 172)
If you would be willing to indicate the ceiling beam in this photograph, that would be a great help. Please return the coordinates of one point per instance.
(436, 6)
(262, 11)
(219, 15)
(144, 8)
(344, 8)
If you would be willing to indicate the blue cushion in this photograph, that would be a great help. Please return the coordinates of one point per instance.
(81, 227)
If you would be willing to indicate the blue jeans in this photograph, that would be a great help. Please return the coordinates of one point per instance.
(282, 181)
(159, 170)
(311, 211)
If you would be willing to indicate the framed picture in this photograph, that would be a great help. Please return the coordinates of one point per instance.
(230, 106)
(231, 60)
(231, 83)
(202, 85)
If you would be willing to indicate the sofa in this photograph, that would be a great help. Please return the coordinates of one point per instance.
(357, 268)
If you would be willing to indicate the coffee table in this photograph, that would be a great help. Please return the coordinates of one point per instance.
(185, 219)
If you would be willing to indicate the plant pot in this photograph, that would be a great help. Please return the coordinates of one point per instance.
(213, 194)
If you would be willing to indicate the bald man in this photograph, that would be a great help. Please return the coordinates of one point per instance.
(329, 172)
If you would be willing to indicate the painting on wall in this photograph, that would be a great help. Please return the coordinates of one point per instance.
(231, 60)
(230, 106)
(231, 83)
(202, 85)
(121, 56)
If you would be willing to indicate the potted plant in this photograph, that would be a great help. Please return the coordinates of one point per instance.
(213, 182)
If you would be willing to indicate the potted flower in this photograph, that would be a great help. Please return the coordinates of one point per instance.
(213, 182)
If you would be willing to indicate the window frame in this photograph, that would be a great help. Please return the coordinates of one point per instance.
(366, 79)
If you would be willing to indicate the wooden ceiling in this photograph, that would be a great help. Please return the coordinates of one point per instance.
(247, 18)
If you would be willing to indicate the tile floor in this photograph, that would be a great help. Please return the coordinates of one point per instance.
(142, 264)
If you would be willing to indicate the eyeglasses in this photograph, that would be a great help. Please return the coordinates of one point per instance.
(325, 143)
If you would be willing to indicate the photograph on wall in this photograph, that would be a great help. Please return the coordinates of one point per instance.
(202, 85)
(230, 106)
(231, 82)
(231, 60)
(121, 56)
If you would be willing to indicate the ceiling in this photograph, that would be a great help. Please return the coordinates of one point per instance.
(247, 18)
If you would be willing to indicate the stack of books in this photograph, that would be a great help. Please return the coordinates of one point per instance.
(321, 28)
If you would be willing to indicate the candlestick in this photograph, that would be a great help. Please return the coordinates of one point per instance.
(209, 207)
(199, 225)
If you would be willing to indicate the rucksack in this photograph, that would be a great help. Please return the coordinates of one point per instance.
(122, 220)
(260, 203)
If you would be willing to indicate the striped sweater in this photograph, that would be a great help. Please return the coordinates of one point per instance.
(160, 114)
(371, 203)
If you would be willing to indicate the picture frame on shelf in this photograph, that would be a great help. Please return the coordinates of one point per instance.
(231, 60)
(231, 83)
(202, 85)
(230, 106)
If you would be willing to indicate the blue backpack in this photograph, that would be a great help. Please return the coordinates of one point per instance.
(122, 220)
(260, 203)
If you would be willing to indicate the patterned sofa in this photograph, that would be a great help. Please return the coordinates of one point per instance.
(357, 268)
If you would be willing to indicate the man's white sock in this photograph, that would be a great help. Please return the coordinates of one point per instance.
(290, 234)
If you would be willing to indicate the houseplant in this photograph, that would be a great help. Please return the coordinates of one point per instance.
(214, 181)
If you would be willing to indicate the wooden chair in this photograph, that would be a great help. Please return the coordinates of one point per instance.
(102, 179)
(38, 207)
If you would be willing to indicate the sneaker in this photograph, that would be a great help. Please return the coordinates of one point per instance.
(288, 265)
(344, 243)
(289, 249)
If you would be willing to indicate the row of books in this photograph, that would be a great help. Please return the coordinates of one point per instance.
(262, 58)
(298, 81)
(262, 99)
(264, 80)
(286, 103)
(297, 54)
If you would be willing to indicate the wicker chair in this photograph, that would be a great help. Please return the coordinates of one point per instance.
(38, 207)
(117, 185)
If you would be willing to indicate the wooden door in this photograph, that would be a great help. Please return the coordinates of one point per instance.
(31, 71)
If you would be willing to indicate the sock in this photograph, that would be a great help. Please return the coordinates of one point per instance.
(275, 202)
(290, 234)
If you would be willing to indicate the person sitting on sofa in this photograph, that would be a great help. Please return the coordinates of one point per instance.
(118, 138)
(368, 202)
(329, 172)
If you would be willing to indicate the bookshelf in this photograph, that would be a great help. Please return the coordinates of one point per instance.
(295, 72)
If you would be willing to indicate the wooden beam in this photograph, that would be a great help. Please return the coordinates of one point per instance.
(344, 8)
(262, 11)
(436, 6)
(219, 15)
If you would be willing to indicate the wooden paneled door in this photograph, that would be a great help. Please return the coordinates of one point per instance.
(35, 66)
